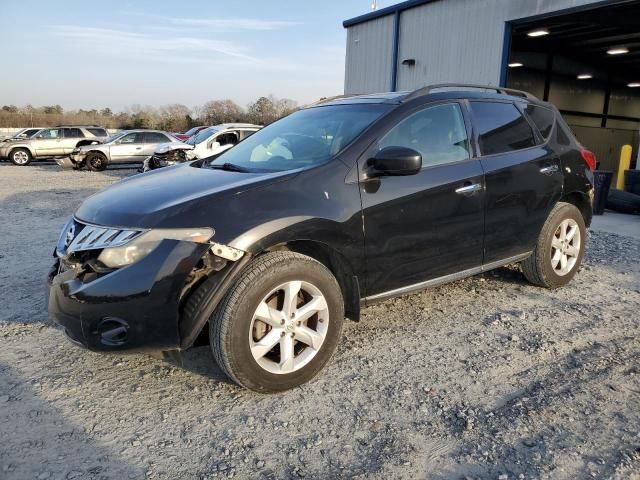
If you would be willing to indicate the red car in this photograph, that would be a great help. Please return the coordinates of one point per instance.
(189, 133)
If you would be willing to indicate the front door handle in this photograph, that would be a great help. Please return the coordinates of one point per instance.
(469, 188)
(138, 148)
(549, 170)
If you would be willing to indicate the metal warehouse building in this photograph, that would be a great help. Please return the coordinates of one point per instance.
(581, 55)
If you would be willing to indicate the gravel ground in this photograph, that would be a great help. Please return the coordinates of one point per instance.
(487, 377)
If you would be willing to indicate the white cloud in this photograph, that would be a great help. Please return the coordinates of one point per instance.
(220, 24)
(144, 46)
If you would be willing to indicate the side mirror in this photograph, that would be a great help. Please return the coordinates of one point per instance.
(395, 161)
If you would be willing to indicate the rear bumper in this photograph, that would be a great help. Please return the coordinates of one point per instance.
(132, 309)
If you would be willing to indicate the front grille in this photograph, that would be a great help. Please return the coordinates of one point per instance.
(81, 236)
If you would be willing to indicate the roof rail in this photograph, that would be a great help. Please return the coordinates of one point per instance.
(504, 91)
(328, 99)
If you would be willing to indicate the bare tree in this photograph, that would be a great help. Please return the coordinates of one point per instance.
(221, 111)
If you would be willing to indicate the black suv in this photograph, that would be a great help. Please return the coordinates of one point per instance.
(339, 205)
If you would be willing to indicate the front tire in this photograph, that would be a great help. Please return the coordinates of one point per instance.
(559, 250)
(279, 323)
(20, 157)
(96, 161)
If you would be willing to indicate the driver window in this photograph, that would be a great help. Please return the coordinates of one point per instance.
(437, 133)
(130, 138)
(230, 138)
(51, 133)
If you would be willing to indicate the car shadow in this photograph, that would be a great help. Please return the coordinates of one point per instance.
(27, 450)
(198, 360)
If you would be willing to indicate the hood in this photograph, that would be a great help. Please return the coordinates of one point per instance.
(167, 147)
(181, 196)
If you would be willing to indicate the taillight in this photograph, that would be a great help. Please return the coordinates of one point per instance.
(589, 158)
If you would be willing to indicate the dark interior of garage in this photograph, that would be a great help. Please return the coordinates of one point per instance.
(587, 63)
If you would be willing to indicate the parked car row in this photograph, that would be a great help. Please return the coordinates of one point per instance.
(91, 147)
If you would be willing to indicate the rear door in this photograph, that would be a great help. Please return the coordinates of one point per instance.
(71, 137)
(522, 176)
(151, 142)
(431, 224)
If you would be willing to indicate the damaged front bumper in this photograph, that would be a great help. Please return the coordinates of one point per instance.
(134, 308)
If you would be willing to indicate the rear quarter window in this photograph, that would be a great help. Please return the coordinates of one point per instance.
(542, 118)
(501, 128)
(98, 132)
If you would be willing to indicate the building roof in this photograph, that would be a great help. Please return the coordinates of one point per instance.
(383, 12)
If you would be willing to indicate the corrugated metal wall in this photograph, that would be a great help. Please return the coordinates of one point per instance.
(450, 40)
(369, 56)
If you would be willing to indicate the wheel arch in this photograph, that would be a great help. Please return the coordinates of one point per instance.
(29, 148)
(85, 142)
(582, 202)
(337, 264)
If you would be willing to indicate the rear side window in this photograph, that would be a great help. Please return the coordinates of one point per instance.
(73, 133)
(501, 128)
(542, 118)
(155, 137)
(98, 132)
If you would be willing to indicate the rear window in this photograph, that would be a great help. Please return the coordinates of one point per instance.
(98, 132)
(542, 118)
(501, 128)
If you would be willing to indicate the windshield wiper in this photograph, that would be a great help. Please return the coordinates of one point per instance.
(230, 167)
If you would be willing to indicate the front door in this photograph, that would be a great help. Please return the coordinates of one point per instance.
(522, 175)
(48, 142)
(431, 224)
(128, 149)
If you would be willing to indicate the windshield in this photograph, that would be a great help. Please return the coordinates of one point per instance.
(202, 136)
(303, 139)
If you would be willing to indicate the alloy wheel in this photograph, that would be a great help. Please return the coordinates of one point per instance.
(289, 327)
(565, 247)
(20, 157)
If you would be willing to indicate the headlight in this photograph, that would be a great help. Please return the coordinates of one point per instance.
(141, 246)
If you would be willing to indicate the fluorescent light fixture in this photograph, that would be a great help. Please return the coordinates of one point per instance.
(585, 76)
(516, 65)
(538, 33)
(618, 51)
(634, 85)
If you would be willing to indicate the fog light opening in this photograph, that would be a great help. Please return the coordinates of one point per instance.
(113, 331)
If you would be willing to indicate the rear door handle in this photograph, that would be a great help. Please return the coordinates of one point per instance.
(549, 169)
(469, 188)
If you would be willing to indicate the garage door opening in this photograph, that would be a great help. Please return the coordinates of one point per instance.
(587, 63)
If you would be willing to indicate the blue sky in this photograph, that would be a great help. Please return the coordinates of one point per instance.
(97, 54)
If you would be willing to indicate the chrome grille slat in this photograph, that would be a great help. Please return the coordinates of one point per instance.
(94, 237)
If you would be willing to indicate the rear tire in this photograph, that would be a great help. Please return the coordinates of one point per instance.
(559, 249)
(20, 157)
(263, 341)
(96, 161)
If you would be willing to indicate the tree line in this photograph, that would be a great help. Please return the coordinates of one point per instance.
(173, 117)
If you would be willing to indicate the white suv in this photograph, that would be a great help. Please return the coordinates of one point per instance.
(208, 142)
